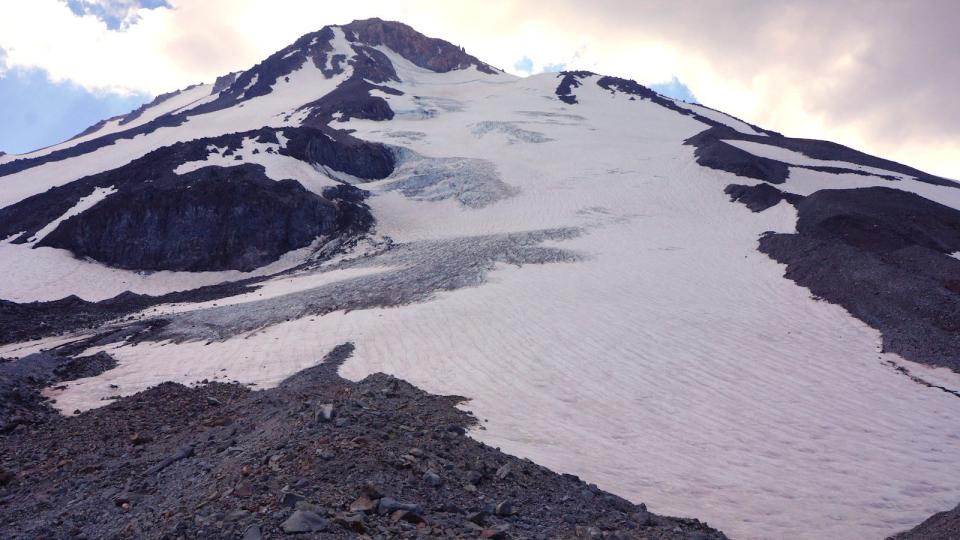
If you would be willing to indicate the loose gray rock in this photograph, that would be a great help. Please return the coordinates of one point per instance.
(302, 521)
(325, 414)
(432, 478)
(252, 533)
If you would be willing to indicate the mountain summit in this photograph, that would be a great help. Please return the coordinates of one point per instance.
(664, 300)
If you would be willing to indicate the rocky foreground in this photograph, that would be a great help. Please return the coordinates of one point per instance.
(317, 457)
(940, 526)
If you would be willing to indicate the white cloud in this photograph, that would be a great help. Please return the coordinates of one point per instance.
(878, 76)
(118, 14)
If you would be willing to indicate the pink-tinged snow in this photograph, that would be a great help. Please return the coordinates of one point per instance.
(718, 116)
(674, 365)
(38, 274)
(25, 348)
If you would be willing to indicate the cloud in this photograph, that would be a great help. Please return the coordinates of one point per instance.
(47, 113)
(116, 14)
(877, 75)
(554, 68)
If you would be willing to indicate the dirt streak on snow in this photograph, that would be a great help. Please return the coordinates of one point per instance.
(272, 288)
(25, 348)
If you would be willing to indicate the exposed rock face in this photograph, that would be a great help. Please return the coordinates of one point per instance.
(759, 197)
(223, 82)
(213, 219)
(880, 219)
(628, 86)
(352, 98)
(430, 53)
(568, 81)
(883, 254)
(339, 151)
(714, 153)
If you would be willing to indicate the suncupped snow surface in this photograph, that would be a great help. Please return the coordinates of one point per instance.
(570, 267)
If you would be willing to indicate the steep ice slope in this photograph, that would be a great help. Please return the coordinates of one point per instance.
(641, 342)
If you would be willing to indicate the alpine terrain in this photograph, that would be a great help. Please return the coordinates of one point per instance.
(376, 286)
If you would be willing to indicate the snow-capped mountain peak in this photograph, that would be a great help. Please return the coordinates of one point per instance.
(673, 303)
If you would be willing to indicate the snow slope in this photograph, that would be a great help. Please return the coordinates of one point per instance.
(718, 116)
(273, 109)
(643, 344)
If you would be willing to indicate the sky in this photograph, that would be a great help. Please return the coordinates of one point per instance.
(877, 75)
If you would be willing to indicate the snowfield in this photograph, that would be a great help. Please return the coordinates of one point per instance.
(649, 348)
(38, 274)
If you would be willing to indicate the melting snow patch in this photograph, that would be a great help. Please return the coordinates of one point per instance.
(282, 139)
(253, 81)
(340, 45)
(82, 205)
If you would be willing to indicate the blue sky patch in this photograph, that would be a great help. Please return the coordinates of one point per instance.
(524, 64)
(675, 89)
(36, 112)
(117, 14)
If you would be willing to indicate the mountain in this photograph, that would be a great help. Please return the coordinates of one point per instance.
(664, 300)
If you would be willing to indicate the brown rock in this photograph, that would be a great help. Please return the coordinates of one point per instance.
(137, 439)
(362, 504)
